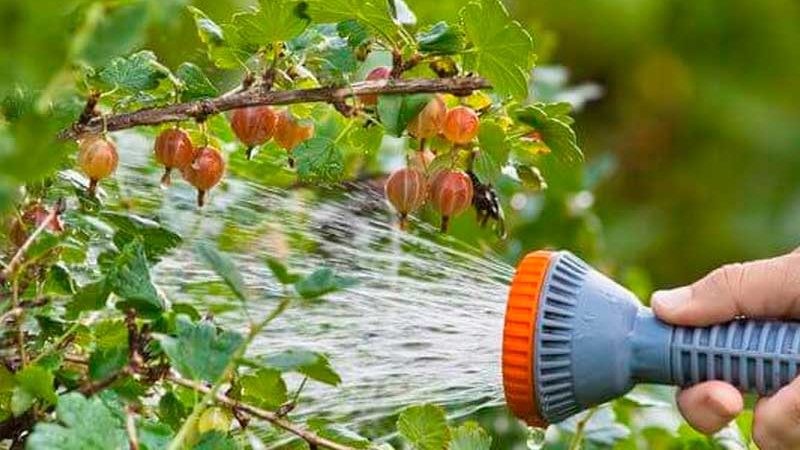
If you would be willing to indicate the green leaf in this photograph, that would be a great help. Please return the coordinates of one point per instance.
(224, 46)
(84, 424)
(493, 154)
(90, 297)
(470, 436)
(338, 433)
(440, 39)
(556, 134)
(105, 362)
(32, 383)
(396, 111)
(319, 159)
(215, 440)
(311, 364)
(129, 278)
(531, 177)
(281, 272)
(274, 21)
(320, 282)
(200, 351)
(355, 33)
(138, 72)
(29, 151)
(265, 388)
(118, 31)
(171, 411)
(224, 268)
(502, 48)
(425, 427)
(195, 83)
(374, 14)
(154, 435)
(156, 238)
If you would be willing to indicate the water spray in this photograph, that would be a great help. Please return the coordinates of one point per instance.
(574, 339)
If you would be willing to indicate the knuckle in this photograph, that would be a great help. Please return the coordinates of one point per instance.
(725, 280)
(762, 435)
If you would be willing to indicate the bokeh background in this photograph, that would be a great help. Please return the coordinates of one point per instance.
(693, 148)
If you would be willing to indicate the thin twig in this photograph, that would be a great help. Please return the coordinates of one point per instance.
(16, 260)
(130, 428)
(23, 355)
(258, 95)
(269, 416)
(577, 439)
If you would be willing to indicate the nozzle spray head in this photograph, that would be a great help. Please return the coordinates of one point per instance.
(574, 339)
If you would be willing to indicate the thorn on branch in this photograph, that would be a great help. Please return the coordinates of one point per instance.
(344, 109)
(203, 110)
(90, 110)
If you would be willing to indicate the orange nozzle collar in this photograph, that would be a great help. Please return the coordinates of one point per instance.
(519, 335)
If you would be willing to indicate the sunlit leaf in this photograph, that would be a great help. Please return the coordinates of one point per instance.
(83, 424)
(264, 388)
(195, 83)
(470, 436)
(138, 72)
(556, 134)
(374, 14)
(424, 427)
(319, 159)
(493, 153)
(274, 21)
(32, 383)
(502, 48)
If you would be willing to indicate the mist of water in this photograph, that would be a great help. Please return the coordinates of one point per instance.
(423, 324)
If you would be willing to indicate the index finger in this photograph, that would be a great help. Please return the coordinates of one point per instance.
(768, 288)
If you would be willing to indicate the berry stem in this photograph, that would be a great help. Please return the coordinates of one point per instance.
(166, 180)
(92, 191)
(445, 224)
(201, 198)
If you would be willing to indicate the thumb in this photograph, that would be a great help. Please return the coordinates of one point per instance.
(768, 288)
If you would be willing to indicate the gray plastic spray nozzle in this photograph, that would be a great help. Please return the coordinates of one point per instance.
(574, 339)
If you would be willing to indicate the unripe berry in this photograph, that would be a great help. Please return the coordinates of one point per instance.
(428, 123)
(205, 172)
(406, 190)
(289, 132)
(378, 73)
(97, 159)
(461, 125)
(451, 194)
(420, 160)
(253, 125)
(174, 150)
(32, 217)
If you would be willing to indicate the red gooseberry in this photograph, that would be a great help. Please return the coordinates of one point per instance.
(174, 150)
(97, 159)
(31, 218)
(378, 73)
(406, 190)
(428, 122)
(461, 125)
(205, 171)
(451, 194)
(420, 160)
(253, 126)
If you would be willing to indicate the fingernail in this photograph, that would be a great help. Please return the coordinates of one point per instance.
(672, 298)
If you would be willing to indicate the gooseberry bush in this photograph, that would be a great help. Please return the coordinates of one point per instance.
(94, 354)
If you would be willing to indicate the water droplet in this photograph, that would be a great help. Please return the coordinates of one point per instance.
(535, 438)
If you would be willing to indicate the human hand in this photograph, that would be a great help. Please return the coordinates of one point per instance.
(767, 288)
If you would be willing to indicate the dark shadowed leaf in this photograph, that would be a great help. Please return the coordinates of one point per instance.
(32, 383)
(396, 111)
(82, 424)
(440, 39)
(224, 268)
(281, 272)
(215, 440)
(195, 83)
(156, 238)
(129, 278)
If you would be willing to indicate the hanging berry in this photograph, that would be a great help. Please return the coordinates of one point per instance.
(289, 132)
(254, 125)
(205, 172)
(451, 194)
(421, 159)
(174, 150)
(428, 122)
(31, 218)
(378, 73)
(406, 190)
(461, 125)
(97, 159)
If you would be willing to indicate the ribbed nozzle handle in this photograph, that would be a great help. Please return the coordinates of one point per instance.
(754, 355)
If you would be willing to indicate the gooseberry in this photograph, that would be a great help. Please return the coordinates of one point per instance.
(97, 159)
(461, 125)
(406, 190)
(451, 194)
(428, 122)
(174, 150)
(31, 218)
(421, 159)
(378, 73)
(204, 172)
(289, 132)
(253, 126)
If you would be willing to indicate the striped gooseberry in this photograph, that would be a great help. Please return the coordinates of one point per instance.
(406, 190)
(450, 194)
(205, 171)
(253, 125)
(461, 125)
(174, 150)
(428, 122)
(97, 159)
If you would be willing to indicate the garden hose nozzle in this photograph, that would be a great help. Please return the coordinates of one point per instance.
(574, 339)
